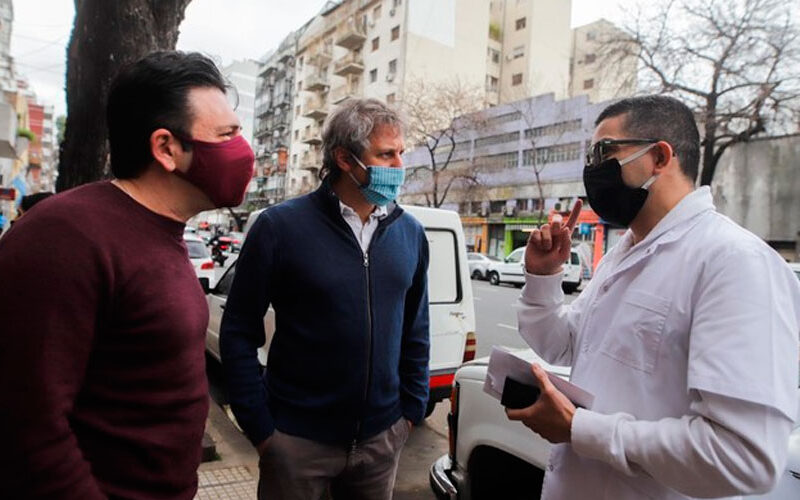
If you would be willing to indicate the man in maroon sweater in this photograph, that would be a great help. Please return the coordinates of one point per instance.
(102, 370)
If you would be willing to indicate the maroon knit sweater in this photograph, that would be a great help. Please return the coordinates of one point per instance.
(102, 368)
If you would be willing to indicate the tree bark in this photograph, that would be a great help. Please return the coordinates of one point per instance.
(106, 36)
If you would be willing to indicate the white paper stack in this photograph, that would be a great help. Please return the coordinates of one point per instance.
(504, 363)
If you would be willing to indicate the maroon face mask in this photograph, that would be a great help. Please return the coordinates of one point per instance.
(221, 170)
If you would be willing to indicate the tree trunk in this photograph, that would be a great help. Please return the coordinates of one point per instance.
(106, 36)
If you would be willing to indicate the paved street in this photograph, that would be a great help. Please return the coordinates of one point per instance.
(496, 318)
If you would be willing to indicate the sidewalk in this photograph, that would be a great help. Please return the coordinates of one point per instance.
(235, 475)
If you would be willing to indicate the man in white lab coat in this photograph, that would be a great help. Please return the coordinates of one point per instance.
(687, 334)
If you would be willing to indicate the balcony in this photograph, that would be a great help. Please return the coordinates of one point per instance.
(351, 64)
(315, 82)
(311, 136)
(343, 92)
(321, 57)
(352, 35)
(316, 109)
(310, 160)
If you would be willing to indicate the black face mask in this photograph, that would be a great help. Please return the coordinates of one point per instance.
(608, 195)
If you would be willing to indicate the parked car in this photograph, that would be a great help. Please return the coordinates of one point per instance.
(479, 265)
(452, 312)
(511, 270)
(492, 457)
(201, 259)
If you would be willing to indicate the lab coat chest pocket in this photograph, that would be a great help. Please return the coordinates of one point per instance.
(637, 330)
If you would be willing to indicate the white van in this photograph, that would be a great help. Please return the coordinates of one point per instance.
(451, 308)
(510, 270)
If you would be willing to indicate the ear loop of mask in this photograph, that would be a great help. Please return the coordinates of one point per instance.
(360, 164)
(649, 182)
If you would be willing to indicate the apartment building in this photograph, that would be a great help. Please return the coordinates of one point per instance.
(515, 141)
(591, 73)
(531, 40)
(508, 49)
(378, 48)
(243, 75)
(272, 126)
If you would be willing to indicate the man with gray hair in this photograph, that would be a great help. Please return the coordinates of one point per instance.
(345, 269)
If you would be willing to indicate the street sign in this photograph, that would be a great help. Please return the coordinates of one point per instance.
(8, 194)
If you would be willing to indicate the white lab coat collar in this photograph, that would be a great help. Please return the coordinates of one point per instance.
(693, 204)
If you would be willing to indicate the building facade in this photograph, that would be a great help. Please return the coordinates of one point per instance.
(591, 73)
(516, 142)
(272, 127)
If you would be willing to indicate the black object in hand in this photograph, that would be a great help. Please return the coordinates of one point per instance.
(517, 395)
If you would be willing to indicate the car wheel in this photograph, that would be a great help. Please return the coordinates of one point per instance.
(494, 278)
(476, 275)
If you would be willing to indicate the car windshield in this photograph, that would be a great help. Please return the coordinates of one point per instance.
(196, 250)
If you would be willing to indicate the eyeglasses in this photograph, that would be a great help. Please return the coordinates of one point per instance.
(603, 147)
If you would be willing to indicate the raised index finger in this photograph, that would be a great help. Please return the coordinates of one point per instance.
(573, 216)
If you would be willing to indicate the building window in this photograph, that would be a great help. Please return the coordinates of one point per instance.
(521, 24)
(376, 43)
(376, 13)
(587, 84)
(516, 79)
(518, 52)
(297, 110)
(495, 55)
(373, 76)
(390, 99)
(491, 83)
(393, 66)
(590, 58)
(296, 135)
(395, 32)
(496, 139)
(294, 162)
(590, 35)
(299, 85)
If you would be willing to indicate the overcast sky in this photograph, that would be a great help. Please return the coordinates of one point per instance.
(226, 29)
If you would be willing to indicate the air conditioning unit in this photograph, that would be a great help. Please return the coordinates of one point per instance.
(511, 211)
(483, 211)
(390, 77)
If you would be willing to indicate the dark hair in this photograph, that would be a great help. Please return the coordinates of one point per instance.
(149, 94)
(664, 118)
(32, 199)
(350, 126)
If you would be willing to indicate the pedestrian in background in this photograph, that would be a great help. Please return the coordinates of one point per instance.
(687, 335)
(345, 269)
(102, 370)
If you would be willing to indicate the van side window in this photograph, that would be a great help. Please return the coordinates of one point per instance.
(575, 259)
(444, 282)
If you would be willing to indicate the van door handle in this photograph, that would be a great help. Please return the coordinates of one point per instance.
(222, 306)
(458, 314)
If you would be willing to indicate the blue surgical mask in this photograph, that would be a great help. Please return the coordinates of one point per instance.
(384, 183)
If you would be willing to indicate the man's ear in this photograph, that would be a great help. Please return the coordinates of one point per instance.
(166, 149)
(343, 159)
(664, 154)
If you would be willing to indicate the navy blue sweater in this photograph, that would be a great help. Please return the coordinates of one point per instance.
(351, 346)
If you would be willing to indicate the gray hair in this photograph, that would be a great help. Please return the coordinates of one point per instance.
(350, 126)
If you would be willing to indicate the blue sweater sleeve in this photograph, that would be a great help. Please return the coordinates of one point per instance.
(242, 331)
(415, 353)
